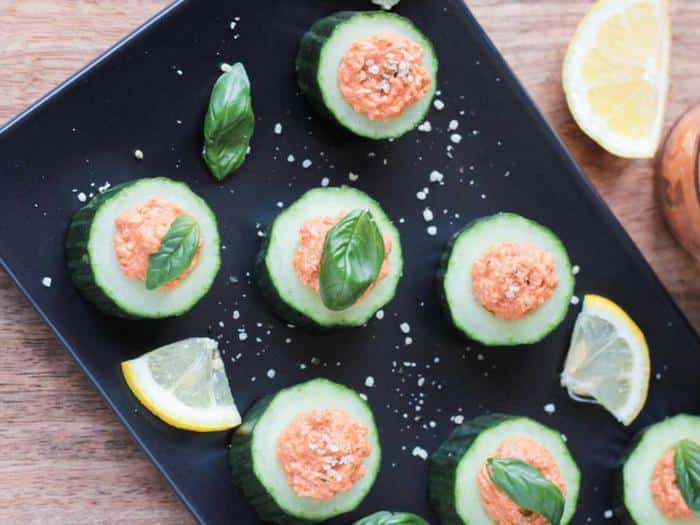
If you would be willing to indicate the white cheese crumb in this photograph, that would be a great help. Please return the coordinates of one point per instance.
(458, 419)
(46, 281)
(426, 127)
(438, 104)
(278, 129)
(232, 25)
(421, 381)
(242, 336)
(432, 230)
(271, 373)
(280, 204)
(325, 181)
(428, 215)
(380, 314)
(236, 314)
(436, 176)
(306, 163)
(575, 300)
(82, 197)
(290, 158)
(421, 195)
(456, 138)
(420, 452)
(408, 341)
(550, 408)
(405, 327)
(353, 176)
(608, 514)
(179, 72)
(138, 154)
(385, 4)
(369, 382)
(453, 125)
(575, 269)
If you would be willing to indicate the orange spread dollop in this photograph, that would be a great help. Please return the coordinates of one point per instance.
(382, 75)
(139, 233)
(664, 487)
(322, 453)
(312, 237)
(513, 280)
(497, 504)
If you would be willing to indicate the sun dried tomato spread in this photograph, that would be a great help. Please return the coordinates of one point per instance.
(664, 487)
(497, 504)
(383, 75)
(513, 280)
(322, 453)
(312, 237)
(138, 235)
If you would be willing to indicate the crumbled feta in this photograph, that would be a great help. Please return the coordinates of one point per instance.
(46, 281)
(353, 176)
(271, 373)
(405, 327)
(550, 408)
(438, 104)
(325, 181)
(457, 419)
(456, 138)
(380, 314)
(290, 158)
(242, 336)
(385, 4)
(432, 230)
(426, 127)
(575, 300)
(608, 514)
(306, 163)
(453, 125)
(369, 382)
(575, 269)
(82, 197)
(427, 215)
(138, 154)
(421, 195)
(278, 129)
(420, 452)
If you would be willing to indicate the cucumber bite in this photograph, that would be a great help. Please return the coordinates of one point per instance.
(505, 280)
(144, 249)
(503, 469)
(308, 453)
(649, 489)
(374, 73)
(332, 259)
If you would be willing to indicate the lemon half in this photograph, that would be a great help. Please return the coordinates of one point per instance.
(616, 75)
(608, 360)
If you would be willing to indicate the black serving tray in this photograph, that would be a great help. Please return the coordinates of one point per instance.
(85, 132)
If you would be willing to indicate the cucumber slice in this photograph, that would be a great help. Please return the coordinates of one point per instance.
(253, 455)
(454, 467)
(455, 281)
(94, 267)
(277, 278)
(636, 504)
(321, 52)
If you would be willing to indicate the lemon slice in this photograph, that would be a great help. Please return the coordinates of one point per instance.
(185, 385)
(616, 75)
(608, 360)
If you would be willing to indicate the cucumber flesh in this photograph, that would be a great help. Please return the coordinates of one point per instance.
(254, 461)
(277, 278)
(321, 52)
(462, 307)
(454, 467)
(637, 505)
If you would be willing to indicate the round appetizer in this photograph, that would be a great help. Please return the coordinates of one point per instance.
(660, 480)
(506, 280)
(332, 259)
(308, 453)
(373, 73)
(144, 249)
(504, 470)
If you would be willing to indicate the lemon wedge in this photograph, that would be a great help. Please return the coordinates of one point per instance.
(616, 75)
(185, 385)
(608, 360)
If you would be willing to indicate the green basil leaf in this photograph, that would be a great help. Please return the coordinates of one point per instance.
(353, 254)
(687, 464)
(527, 487)
(229, 123)
(177, 249)
(391, 518)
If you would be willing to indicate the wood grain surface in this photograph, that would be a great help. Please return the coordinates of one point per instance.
(64, 458)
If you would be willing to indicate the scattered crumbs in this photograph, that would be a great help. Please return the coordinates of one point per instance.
(575, 269)
(369, 382)
(436, 176)
(457, 419)
(432, 424)
(179, 72)
(353, 176)
(483, 196)
(475, 132)
(426, 127)
(480, 357)
(104, 187)
(138, 154)
(453, 125)
(421, 195)
(221, 324)
(608, 514)
(405, 327)
(232, 25)
(420, 452)
(236, 314)
(363, 396)
(432, 230)
(575, 299)
(379, 315)
(456, 138)
(288, 340)
(290, 158)
(306, 163)
(46, 281)
(280, 204)
(438, 104)
(401, 220)
(550, 408)
(82, 197)
(427, 214)
(408, 341)
(658, 376)
(242, 336)
(421, 381)
(271, 373)
(325, 181)
(315, 361)
(278, 129)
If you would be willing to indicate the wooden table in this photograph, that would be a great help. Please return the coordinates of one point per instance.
(64, 458)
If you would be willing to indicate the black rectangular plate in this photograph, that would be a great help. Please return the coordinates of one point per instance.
(134, 97)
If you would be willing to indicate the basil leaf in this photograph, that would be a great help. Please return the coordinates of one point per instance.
(353, 254)
(527, 487)
(391, 518)
(177, 249)
(687, 464)
(229, 123)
